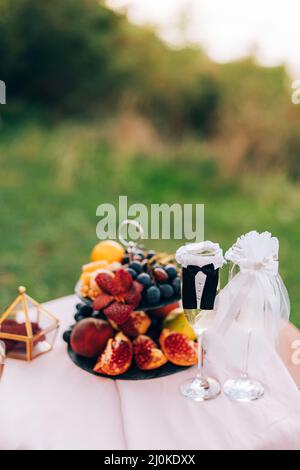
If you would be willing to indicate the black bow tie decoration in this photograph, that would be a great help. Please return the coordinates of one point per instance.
(206, 288)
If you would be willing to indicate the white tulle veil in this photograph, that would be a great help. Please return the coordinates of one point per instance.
(256, 297)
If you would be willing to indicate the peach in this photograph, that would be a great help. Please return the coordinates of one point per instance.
(90, 336)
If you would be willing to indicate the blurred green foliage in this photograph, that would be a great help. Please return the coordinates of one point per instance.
(58, 54)
(98, 107)
(77, 56)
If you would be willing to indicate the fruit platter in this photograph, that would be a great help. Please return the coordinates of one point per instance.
(129, 324)
(155, 277)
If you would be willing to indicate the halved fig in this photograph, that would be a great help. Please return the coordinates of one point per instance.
(137, 324)
(147, 355)
(178, 348)
(117, 356)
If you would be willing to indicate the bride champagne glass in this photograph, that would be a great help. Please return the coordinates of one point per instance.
(255, 300)
(200, 275)
(244, 388)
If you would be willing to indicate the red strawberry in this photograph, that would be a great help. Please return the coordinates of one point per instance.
(107, 283)
(133, 297)
(118, 313)
(102, 301)
(123, 281)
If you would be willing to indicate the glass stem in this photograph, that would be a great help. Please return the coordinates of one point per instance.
(200, 355)
(244, 373)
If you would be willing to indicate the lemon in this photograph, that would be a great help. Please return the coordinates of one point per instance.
(109, 251)
(176, 321)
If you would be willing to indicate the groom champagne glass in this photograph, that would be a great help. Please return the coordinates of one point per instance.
(200, 276)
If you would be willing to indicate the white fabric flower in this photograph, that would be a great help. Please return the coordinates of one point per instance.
(200, 254)
(254, 252)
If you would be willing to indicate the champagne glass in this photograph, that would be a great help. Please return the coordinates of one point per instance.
(243, 388)
(2, 358)
(200, 388)
(201, 263)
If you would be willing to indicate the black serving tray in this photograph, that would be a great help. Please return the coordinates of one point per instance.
(132, 374)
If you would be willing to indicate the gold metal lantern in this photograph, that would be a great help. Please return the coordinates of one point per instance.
(27, 328)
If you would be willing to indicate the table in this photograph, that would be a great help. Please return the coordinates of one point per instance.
(52, 404)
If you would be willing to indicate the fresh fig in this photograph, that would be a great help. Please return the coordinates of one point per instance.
(117, 357)
(147, 355)
(178, 348)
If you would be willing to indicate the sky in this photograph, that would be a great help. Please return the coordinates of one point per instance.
(228, 29)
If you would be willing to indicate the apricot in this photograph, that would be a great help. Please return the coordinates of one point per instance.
(108, 250)
(90, 336)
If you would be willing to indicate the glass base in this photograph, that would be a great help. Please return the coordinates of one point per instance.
(200, 389)
(243, 390)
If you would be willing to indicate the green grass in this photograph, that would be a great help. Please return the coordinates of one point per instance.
(54, 177)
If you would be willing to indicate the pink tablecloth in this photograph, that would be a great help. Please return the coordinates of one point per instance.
(51, 404)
